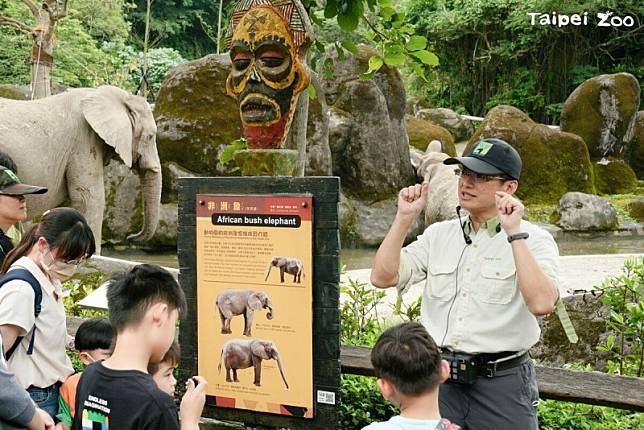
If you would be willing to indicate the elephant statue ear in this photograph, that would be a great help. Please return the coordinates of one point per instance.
(107, 113)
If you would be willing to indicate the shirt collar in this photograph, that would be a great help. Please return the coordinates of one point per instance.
(492, 226)
(46, 284)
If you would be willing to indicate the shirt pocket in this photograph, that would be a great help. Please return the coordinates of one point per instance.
(442, 281)
(497, 284)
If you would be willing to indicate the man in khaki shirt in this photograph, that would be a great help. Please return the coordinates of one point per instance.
(487, 277)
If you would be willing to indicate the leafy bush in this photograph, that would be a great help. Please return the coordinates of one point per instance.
(80, 287)
(160, 61)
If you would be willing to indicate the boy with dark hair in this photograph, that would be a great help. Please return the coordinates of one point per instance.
(162, 372)
(118, 393)
(410, 370)
(93, 343)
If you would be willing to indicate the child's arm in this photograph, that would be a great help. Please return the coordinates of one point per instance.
(192, 404)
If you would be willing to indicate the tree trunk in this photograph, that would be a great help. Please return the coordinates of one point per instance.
(42, 56)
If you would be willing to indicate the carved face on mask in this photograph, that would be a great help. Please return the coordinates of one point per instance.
(266, 77)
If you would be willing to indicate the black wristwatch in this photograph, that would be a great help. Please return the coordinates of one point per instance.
(517, 236)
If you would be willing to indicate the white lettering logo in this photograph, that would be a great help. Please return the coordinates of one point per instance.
(604, 19)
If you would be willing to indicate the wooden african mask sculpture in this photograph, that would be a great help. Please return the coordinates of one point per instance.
(266, 40)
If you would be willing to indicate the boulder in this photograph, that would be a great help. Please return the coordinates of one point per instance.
(414, 104)
(318, 153)
(636, 209)
(602, 111)
(422, 132)
(367, 133)
(165, 236)
(365, 224)
(459, 127)
(588, 315)
(195, 117)
(442, 197)
(554, 162)
(13, 92)
(123, 213)
(637, 154)
(614, 176)
(584, 212)
(171, 173)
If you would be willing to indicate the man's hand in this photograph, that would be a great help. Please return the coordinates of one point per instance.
(510, 212)
(412, 200)
(192, 403)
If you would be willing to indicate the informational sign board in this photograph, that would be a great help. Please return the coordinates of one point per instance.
(255, 297)
(259, 263)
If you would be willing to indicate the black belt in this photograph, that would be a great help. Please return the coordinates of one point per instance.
(488, 364)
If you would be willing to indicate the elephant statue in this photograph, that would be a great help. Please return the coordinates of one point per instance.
(62, 142)
(442, 197)
(242, 354)
(290, 265)
(241, 302)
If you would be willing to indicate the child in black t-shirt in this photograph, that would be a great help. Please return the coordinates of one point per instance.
(118, 393)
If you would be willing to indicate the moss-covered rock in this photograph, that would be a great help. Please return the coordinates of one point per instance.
(414, 104)
(267, 162)
(637, 155)
(318, 153)
(421, 132)
(584, 212)
(367, 133)
(614, 177)
(171, 172)
(460, 128)
(602, 111)
(12, 92)
(123, 213)
(195, 117)
(554, 162)
(636, 209)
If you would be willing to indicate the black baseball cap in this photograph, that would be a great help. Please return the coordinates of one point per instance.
(491, 157)
(11, 185)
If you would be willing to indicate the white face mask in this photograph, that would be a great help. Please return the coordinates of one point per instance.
(60, 270)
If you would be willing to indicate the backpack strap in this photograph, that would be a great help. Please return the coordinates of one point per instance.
(26, 276)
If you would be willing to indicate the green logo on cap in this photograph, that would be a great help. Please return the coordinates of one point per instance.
(482, 148)
(12, 175)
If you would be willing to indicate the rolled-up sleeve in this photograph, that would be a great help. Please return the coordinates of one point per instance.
(17, 305)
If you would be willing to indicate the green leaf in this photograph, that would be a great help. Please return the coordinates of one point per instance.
(416, 43)
(375, 63)
(331, 9)
(236, 145)
(426, 57)
(418, 70)
(319, 46)
(350, 46)
(315, 19)
(367, 75)
(328, 68)
(395, 58)
(341, 55)
(311, 92)
(348, 21)
(387, 12)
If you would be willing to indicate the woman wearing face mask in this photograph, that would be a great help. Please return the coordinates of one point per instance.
(51, 251)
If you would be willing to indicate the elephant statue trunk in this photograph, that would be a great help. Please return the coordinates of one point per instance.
(151, 192)
(279, 364)
(269, 306)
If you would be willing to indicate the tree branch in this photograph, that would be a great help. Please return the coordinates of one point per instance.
(32, 6)
(24, 28)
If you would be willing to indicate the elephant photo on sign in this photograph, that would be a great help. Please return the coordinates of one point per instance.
(290, 265)
(62, 142)
(242, 354)
(231, 303)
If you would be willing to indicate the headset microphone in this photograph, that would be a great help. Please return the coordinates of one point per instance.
(468, 239)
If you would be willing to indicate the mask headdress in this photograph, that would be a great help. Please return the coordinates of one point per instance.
(267, 41)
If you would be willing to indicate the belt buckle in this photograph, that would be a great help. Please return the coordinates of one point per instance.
(490, 368)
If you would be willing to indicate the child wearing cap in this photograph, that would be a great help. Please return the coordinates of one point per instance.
(13, 207)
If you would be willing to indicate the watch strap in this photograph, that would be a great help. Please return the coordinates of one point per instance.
(517, 236)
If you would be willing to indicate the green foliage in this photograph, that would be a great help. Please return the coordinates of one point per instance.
(362, 403)
(160, 61)
(80, 287)
(555, 415)
(624, 296)
(360, 324)
(490, 54)
(228, 153)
